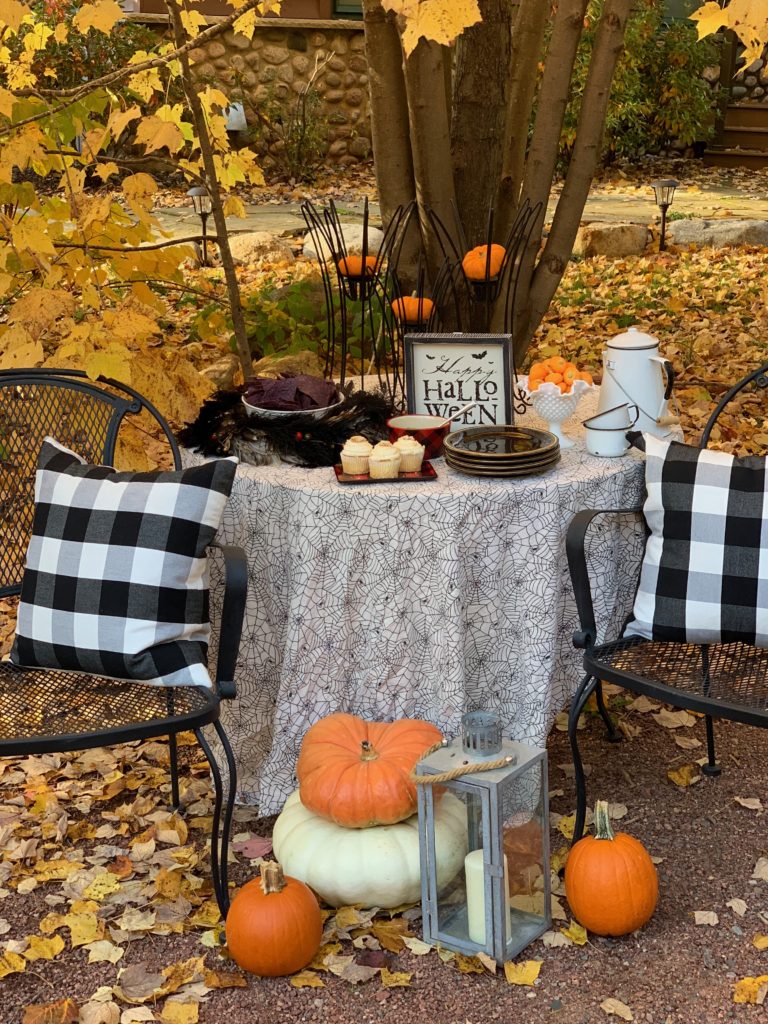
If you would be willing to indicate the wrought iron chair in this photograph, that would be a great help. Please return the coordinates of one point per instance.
(46, 711)
(728, 680)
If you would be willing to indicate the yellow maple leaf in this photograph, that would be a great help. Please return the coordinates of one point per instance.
(193, 21)
(747, 990)
(747, 18)
(246, 24)
(103, 885)
(11, 963)
(12, 13)
(102, 15)
(395, 979)
(524, 973)
(576, 933)
(439, 21)
(307, 979)
(40, 948)
(154, 133)
(179, 1013)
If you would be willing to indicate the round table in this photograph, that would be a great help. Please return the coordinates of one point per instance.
(423, 600)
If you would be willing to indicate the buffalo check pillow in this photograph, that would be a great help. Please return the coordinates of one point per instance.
(116, 577)
(704, 577)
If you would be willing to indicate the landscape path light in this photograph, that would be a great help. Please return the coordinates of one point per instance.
(665, 193)
(201, 201)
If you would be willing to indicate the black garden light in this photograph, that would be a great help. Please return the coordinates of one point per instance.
(201, 201)
(665, 193)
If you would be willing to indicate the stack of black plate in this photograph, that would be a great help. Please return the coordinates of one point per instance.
(501, 451)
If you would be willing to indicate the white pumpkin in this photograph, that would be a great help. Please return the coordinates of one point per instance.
(371, 867)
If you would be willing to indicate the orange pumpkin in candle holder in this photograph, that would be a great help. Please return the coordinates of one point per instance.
(353, 266)
(412, 309)
(479, 266)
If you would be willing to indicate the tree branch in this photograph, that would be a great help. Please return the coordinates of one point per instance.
(586, 153)
(527, 39)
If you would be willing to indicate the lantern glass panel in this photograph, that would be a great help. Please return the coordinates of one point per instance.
(525, 837)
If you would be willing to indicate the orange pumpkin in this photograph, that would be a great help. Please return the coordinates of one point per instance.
(476, 264)
(274, 925)
(357, 773)
(610, 881)
(352, 266)
(412, 309)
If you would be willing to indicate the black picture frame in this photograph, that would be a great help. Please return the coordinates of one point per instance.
(445, 350)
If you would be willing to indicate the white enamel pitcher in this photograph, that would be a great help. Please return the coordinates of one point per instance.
(635, 373)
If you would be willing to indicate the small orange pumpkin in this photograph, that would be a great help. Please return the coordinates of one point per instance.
(352, 266)
(412, 309)
(357, 773)
(610, 882)
(477, 266)
(274, 925)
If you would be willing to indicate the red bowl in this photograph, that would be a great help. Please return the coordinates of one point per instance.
(430, 431)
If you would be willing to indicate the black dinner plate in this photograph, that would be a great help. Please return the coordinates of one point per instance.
(506, 442)
(502, 472)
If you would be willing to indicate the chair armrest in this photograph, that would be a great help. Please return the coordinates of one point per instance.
(232, 613)
(577, 563)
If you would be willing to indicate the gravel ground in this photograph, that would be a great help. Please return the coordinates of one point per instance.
(672, 972)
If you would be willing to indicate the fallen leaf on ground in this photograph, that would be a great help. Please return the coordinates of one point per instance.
(738, 906)
(487, 961)
(643, 705)
(751, 990)
(708, 917)
(63, 1011)
(344, 967)
(175, 1012)
(468, 964)
(685, 775)
(39, 948)
(104, 951)
(135, 1014)
(617, 811)
(615, 1008)
(99, 1013)
(752, 803)
(576, 933)
(566, 825)
(11, 963)
(391, 934)
(760, 942)
(761, 869)
(307, 979)
(674, 719)
(416, 946)
(558, 859)
(257, 846)
(524, 973)
(629, 730)
(687, 742)
(136, 984)
(553, 939)
(395, 979)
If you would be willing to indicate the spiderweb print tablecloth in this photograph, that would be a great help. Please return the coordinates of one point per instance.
(423, 600)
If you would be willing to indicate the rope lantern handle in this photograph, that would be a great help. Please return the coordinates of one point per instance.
(470, 768)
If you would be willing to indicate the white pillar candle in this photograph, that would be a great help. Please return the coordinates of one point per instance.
(474, 873)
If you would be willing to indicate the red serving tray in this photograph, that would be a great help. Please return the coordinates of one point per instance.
(427, 472)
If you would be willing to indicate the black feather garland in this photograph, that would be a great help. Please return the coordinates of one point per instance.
(224, 427)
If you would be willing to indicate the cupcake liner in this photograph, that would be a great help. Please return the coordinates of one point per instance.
(354, 464)
(410, 462)
(385, 469)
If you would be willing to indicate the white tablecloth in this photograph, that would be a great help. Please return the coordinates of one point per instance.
(423, 600)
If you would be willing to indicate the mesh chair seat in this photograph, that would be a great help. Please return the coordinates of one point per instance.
(45, 710)
(724, 680)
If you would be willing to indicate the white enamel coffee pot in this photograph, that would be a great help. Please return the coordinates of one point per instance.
(635, 373)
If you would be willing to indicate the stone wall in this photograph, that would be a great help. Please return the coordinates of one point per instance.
(278, 63)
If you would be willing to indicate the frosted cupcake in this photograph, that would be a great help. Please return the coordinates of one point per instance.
(354, 455)
(384, 461)
(411, 453)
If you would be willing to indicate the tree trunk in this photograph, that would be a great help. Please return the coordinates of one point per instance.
(527, 39)
(586, 153)
(212, 184)
(430, 143)
(389, 110)
(479, 111)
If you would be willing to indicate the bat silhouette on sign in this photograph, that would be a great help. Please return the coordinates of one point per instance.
(431, 357)
(480, 355)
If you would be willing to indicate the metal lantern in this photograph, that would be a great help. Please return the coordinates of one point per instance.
(499, 902)
(201, 201)
(665, 193)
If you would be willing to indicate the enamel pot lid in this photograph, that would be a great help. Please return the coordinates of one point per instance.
(633, 339)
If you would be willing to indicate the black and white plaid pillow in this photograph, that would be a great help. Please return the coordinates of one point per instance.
(116, 578)
(704, 577)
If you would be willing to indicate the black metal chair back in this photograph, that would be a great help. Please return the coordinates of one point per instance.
(84, 415)
(760, 379)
